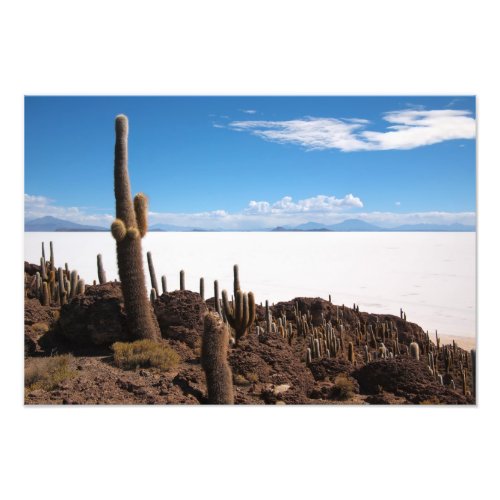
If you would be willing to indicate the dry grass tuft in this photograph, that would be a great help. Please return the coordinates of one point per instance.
(144, 354)
(47, 373)
(343, 388)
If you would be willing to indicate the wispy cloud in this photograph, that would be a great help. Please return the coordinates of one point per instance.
(249, 111)
(406, 129)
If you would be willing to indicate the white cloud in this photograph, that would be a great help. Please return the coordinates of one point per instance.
(258, 214)
(408, 129)
(316, 204)
(397, 203)
(41, 206)
(248, 111)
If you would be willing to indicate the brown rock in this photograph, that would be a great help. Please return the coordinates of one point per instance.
(96, 318)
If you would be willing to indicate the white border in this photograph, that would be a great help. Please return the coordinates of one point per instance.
(259, 47)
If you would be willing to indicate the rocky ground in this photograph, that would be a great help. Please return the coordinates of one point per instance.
(267, 368)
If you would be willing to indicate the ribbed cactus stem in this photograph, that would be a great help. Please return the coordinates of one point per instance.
(202, 288)
(308, 356)
(52, 265)
(141, 321)
(350, 351)
(43, 250)
(45, 294)
(217, 298)
(152, 274)
(214, 349)
(473, 371)
(236, 282)
(101, 273)
(182, 279)
(152, 295)
(73, 283)
(164, 284)
(60, 281)
(43, 269)
(80, 287)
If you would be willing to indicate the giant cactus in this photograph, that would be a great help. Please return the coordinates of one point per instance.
(241, 314)
(128, 229)
(214, 360)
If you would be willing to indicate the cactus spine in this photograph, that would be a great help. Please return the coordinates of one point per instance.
(141, 321)
(214, 349)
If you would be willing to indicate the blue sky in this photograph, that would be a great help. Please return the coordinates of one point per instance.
(249, 162)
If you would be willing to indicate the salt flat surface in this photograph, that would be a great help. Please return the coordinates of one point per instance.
(430, 275)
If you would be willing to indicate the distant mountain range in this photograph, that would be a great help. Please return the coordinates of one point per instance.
(362, 226)
(52, 224)
(48, 224)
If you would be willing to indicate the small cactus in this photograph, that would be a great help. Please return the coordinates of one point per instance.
(217, 298)
(101, 273)
(415, 351)
(350, 351)
(164, 284)
(202, 288)
(182, 280)
(152, 274)
(80, 287)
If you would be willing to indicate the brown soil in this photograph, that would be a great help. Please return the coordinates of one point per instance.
(267, 369)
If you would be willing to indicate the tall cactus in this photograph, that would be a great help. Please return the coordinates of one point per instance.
(241, 314)
(214, 360)
(127, 229)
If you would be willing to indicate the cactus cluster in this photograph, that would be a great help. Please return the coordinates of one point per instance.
(55, 286)
(240, 313)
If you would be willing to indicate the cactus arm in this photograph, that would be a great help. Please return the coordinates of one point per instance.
(118, 230)
(141, 213)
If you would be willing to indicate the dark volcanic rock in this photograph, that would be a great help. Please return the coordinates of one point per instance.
(328, 369)
(39, 325)
(405, 377)
(180, 316)
(96, 318)
(271, 360)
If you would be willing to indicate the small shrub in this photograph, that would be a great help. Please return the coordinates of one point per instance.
(344, 388)
(47, 373)
(252, 377)
(144, 354)
(40, 328)
(433, 400)
(239, 379)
